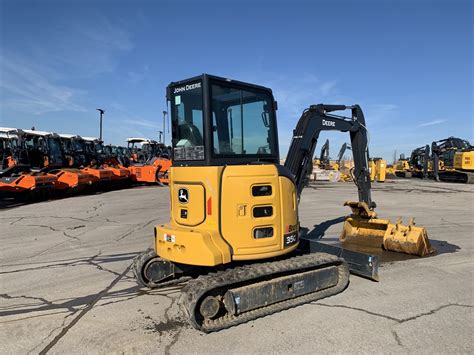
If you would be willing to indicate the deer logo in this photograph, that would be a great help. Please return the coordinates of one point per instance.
(183, 195)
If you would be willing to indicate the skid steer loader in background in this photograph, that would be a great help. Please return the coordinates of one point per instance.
(234, 208)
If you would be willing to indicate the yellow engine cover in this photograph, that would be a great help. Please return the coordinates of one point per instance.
(464, 160)
(220, 214)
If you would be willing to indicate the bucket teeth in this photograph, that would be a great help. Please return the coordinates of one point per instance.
(363, 228)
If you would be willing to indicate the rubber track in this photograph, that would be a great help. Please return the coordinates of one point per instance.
(465, 177)
(197, 289)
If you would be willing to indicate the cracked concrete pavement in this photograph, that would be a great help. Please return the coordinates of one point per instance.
(66, 284)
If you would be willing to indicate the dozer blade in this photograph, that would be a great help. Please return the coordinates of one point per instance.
(364, 228)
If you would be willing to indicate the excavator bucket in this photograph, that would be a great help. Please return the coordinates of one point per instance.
(365, 229)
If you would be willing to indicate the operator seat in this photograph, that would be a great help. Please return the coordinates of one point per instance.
(190, 132)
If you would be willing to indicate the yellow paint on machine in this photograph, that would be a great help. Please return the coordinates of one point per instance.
(464, 160)
(364, 228)
(378, 169)
(224, 215)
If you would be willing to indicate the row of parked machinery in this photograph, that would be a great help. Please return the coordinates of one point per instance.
(450, 159)
(37, 164)
(377, 166)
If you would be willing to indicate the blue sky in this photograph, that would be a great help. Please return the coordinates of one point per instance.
(409, 64)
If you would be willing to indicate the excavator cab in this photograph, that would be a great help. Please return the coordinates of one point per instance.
(8, 148)
(225, 173)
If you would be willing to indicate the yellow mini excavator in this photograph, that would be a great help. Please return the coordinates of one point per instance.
(234, 224)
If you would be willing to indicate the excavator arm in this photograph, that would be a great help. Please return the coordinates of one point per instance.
(343, 149)
(324, 156)
(362, 227)
(319, 118)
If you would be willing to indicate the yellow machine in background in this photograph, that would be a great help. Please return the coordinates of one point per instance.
(453, 160)
(378, 169)
(390, 171)
(372, 170)
(402, 167)
(464, 161)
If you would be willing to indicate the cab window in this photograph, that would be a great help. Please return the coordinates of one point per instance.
(242, 122)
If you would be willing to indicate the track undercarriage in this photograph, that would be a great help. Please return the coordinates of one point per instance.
(465, 177)
(220, 299)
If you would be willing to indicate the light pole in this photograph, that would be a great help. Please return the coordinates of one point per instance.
(101, 113)
(164, 125)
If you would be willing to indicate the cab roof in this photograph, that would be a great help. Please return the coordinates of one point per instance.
(8, 130)
(8, 135)
(68, 136)
(137, 140)
(90, 139)
(218, 78)
(35, 132)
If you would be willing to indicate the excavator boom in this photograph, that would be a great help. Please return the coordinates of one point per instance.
(362, 227)
(317, 118)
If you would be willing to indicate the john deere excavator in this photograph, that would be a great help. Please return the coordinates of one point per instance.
(419, 162)
(234, 208)
(324, 159)
(457, 160)
(340, 155)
